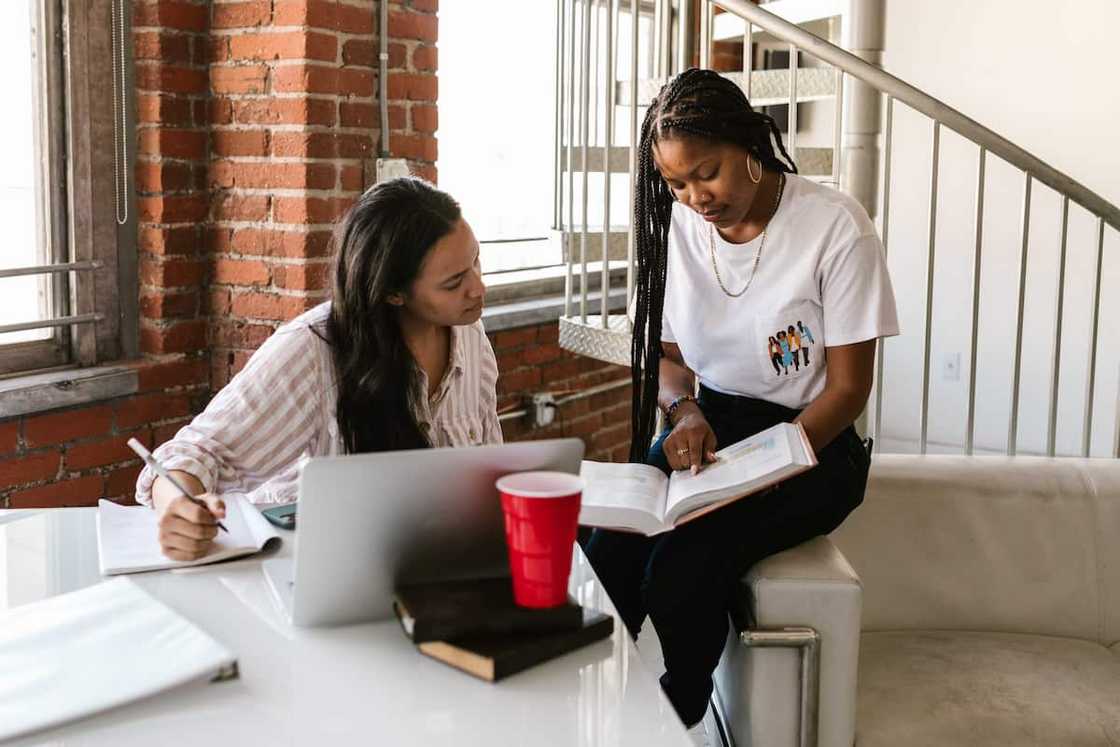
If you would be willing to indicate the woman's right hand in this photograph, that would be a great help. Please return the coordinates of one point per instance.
(187, 530)
(692, 443)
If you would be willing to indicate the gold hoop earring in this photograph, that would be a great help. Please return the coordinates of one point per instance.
(755, 179)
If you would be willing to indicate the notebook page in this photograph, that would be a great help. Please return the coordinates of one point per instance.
(128, 537)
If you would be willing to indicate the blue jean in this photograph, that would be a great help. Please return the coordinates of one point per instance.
(684, 579)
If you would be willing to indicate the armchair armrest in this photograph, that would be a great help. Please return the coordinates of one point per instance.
(808, 586)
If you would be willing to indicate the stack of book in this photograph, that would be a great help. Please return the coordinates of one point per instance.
(475, 626)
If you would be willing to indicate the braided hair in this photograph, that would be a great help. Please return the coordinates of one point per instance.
(699, 104)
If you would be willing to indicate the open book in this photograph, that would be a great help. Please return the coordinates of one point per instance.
(640, 498)
(128, 538)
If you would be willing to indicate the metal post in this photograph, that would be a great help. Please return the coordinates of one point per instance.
(558, 138)
(1055, 371)
(929, 285)
(685, 45)
(791, 139)
(884, 230)
(748, 57)
(1013, 425)
(1090, 385)
(705, 34)
(585, 111)
(807, 641)
(608, 106)
(970, 428)
(838, 132)
(566, 233)
(634, 15)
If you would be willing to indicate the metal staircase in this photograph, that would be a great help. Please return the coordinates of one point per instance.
(591, 146)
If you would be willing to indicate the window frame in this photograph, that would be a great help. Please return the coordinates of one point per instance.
(77, 183)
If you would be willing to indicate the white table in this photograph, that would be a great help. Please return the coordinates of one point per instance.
(359, 684)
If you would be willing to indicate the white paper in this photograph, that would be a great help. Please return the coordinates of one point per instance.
(128, 537)
(77, 654)
(622, 496)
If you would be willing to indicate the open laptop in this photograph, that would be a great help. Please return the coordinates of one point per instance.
(368, 522)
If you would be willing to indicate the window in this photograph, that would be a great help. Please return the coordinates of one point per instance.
(496, 146)
(498, 102)
(68, 269)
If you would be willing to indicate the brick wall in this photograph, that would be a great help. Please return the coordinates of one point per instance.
(531, 360)
(257, 120)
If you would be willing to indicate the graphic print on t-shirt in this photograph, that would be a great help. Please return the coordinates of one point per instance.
(789, 342)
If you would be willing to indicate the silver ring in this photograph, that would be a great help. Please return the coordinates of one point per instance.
(682, 452)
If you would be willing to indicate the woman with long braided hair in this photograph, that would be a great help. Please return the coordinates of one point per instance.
(731, 245)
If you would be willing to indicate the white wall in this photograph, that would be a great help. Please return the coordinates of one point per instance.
(1048, 85)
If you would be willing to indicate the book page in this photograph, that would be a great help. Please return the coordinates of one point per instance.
(128, 541)
(628, 496)
(739, 465)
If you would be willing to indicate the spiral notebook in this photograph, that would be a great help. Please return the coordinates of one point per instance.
(77, 654)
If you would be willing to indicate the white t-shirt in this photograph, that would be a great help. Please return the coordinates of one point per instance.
(822, 281)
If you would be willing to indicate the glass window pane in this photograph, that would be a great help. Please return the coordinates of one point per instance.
(25, 298)
(496, 112)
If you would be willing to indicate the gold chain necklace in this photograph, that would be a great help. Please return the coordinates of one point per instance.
(758, 252)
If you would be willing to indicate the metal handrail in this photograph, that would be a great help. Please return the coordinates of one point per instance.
(926, 104)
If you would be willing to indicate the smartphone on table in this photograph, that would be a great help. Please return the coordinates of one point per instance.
(282, 516)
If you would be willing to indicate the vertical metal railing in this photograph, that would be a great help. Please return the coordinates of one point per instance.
(884, 230)
(1056, 369)
(608, 140)
(930, 267)
(569, 226)
(1090, 386)
(838, 129)
(791, 135)
(748, 57)
(684, 35)
(1024, 233)
(635, 20)
(706, 20)
(558, 138)
(977, 255)
(585, 128)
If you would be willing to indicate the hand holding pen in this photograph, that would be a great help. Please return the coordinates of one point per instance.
(188, 522)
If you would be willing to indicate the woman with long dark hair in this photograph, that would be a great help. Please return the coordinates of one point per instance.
(397, 359)
(732, 244)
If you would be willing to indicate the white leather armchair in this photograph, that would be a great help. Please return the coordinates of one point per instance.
(802, 619)
(990, 612)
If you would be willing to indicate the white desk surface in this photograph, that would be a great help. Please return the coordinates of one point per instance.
(359, 684)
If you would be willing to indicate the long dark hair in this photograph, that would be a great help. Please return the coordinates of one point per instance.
(700, 104)
(382, 243)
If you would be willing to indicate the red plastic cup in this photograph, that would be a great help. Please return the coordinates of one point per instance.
(542, 514)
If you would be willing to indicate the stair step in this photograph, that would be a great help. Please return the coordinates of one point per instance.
(617, 241)
(768, 87)
(611, 345)
(813, 161)
(619, 159)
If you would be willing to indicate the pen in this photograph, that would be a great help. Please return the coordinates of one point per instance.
(159, 470)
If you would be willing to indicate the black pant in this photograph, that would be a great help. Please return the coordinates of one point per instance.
(683, 579)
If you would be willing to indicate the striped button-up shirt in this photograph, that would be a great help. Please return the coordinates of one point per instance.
(256, 433)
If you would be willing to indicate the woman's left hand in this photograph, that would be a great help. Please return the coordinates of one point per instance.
(692, 444)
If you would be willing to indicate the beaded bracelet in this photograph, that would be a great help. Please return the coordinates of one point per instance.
(677, 402)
